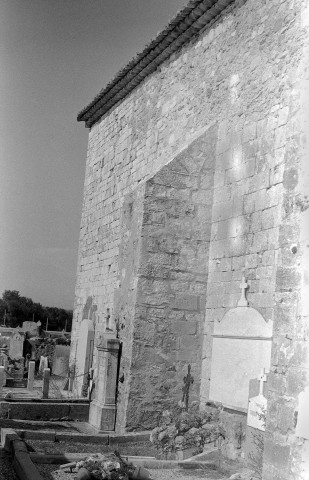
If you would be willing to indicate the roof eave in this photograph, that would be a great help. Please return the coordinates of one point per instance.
(187, 23)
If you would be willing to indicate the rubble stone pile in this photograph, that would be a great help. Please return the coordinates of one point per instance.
(181, 431)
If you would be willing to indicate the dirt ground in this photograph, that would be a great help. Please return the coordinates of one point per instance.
(52, 472)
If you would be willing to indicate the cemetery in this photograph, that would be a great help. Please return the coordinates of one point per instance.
(75, 430)
(189, 348)
(193, 250)
(45, 428)
(27, 351)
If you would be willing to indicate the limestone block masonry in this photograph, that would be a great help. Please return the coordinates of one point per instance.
(169, 278)
(198, 177)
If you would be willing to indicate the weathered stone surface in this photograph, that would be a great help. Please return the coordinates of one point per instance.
(16, 346)
(172, 276)
(209, 150)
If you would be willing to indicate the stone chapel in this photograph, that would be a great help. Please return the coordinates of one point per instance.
(194, 240)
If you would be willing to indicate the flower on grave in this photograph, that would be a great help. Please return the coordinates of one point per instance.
(179, 442)
(167, 417)
(110, 467)
(186, 429)
(154, 434)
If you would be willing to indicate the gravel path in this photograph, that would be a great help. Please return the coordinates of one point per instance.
(6, 469)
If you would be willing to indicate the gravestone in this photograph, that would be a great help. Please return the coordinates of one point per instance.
(43, 364)
(102, 412)
(256, 422)
(84, 353)
(16, 346)
(6, 335)
(15, 377)
(241, 349)
(32, 327)
(258, 407)
(3, 360)
(31, 370)
(61, 360)
(46, 379)
(2, 379)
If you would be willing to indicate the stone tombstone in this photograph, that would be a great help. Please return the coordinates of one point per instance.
(102, 412)
(84, 353)
(46, 379)
(5, 341)
(16, 346)
(3, 360)
(16, 369)
(2, 379)
(241, 349)
(43, 364)
(61, 360)
(257, 407)
(31, 370)
(32, 327)
(256, 421)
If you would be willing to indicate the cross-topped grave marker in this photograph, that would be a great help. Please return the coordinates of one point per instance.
(257, 407)
(262, 379)
(187, 380)
(243, 302)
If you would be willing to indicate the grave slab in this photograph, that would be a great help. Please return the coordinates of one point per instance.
(241, 348)
(61, 360)
(16, 346)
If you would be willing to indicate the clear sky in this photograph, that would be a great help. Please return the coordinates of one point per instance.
(55, 56)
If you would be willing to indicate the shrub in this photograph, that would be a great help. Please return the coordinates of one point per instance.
(179, 430)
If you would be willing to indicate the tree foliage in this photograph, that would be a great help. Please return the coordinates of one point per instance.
(15, 309)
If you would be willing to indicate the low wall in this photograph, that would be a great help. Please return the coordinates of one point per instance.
(44, 411)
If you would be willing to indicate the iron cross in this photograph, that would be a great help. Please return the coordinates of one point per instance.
(187, 380)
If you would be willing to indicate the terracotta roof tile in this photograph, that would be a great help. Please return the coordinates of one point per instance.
(180, 30)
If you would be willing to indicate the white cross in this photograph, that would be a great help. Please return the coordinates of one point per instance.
(243, 302)
(262, 379)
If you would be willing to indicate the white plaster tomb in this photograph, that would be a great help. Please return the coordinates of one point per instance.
(241, 349)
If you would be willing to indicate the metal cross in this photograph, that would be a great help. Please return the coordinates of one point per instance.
(243, 302)
(187, 380)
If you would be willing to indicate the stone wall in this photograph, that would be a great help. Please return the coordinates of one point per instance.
(286, 452)
(171, 283)
(125, 297)
(244, 73)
